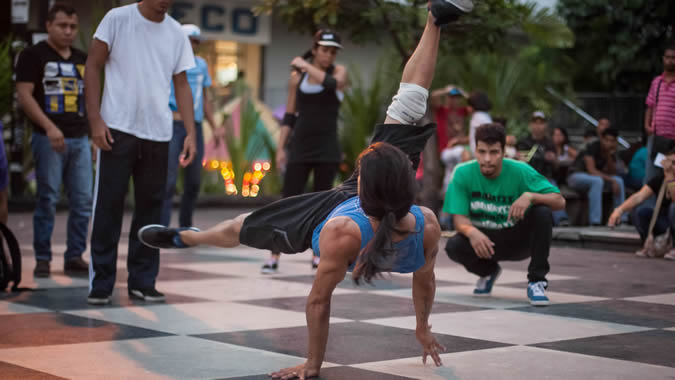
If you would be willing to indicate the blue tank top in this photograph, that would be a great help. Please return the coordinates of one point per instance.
(410, 256)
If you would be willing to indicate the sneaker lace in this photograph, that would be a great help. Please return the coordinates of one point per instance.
(538, 288)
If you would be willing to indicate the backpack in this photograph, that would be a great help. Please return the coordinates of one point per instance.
(10, 262)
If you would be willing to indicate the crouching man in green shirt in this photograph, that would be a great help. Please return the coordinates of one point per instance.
(502, 211)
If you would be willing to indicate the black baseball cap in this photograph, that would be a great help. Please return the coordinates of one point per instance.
(327, 37)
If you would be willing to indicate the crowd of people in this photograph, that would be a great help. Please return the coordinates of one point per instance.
(501, 194)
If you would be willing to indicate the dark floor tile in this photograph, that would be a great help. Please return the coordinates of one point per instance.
(340, 373)
(652, 347)
(361, 306)
(383, 283)
(61, 299)
(44, 329)
(10, 372)
(615, 311)
(348, 343)
(609, 288)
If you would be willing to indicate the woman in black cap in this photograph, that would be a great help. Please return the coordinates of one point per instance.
(308, 142)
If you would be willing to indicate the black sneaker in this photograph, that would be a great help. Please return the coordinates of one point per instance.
(147, 295)
(159, 236)
(270, 267)
(447, 11)
(76, 265)
(41, 269)
(98, 297)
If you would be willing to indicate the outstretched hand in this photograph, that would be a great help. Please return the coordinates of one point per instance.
(430, 346)
(298, 372)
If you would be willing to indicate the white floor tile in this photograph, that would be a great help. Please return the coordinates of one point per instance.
(665, 299)
(7, 308)
(501, 298)
(174, 357)
(517, 363)
(231, 289)
(514, 327)
(200, 318)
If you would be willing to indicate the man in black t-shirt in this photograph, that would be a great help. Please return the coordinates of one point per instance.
(642, 215)
(50, 87)
(594, 166)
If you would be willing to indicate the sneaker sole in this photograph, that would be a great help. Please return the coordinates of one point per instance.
(482, 295)
(98, 301)
(268, 271)
(540, 303)
(141, 297)
(465, 6)
(143, 229)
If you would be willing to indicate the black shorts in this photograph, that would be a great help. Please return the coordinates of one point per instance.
(287, 225)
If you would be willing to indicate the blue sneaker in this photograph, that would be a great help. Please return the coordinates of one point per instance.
(158, 236)
(485, 284)
(536, 292)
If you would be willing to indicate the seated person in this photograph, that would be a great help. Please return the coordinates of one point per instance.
(595, 166)
(642, 215)
(541, 155)
(502, 211)
(635, 177)
(565, 153)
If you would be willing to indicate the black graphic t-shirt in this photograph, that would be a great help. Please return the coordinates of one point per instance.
(59, 86)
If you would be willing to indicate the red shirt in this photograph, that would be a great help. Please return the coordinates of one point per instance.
(663, 117)
(444, 130)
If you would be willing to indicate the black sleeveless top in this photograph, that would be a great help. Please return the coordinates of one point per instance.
(315, 137)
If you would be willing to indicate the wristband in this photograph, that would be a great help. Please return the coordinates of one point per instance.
(289, 119)
(329, 82)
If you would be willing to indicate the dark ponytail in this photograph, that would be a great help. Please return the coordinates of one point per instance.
(386, 191)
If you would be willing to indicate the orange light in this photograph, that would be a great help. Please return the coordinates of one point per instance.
(255, 188)
(247, 177)
(266, 166)
(214, 164)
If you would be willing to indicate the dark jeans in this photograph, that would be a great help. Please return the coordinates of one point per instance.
(297, 174)
(531, 237)
(192, 175)
(643, 215)
(146, 162)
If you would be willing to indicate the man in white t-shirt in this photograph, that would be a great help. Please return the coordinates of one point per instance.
(479, 105)
(142, 50)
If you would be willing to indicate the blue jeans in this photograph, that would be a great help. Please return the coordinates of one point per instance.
(192, 177)
(560, 215)
(73, 168)
(593, 186)
(643, 215)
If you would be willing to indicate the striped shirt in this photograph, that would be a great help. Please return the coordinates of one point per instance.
(663, 118)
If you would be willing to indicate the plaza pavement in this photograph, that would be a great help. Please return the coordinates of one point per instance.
(612, 317)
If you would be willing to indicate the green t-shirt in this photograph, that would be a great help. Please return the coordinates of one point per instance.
(487, 201)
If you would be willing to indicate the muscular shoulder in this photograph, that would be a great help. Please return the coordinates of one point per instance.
(432, 229)
(340, 234)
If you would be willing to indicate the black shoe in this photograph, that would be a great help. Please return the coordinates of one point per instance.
(41, 269)
(147, 295)
(98, 297)
(76, 265)
(447, 11)
(159, 236)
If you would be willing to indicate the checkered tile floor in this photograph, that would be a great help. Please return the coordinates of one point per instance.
(612, 317)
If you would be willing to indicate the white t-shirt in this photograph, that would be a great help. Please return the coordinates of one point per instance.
(144, 55)
(479, 118)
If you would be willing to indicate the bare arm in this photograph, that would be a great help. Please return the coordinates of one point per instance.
(34, 112)
(555, 201)
(96, 59)
(185, 108)
(318, 75)
(649, 114)
(424, 288)
(629, 204)
(293, 82)
(589, 161)
(208, 109)
(339, 244)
